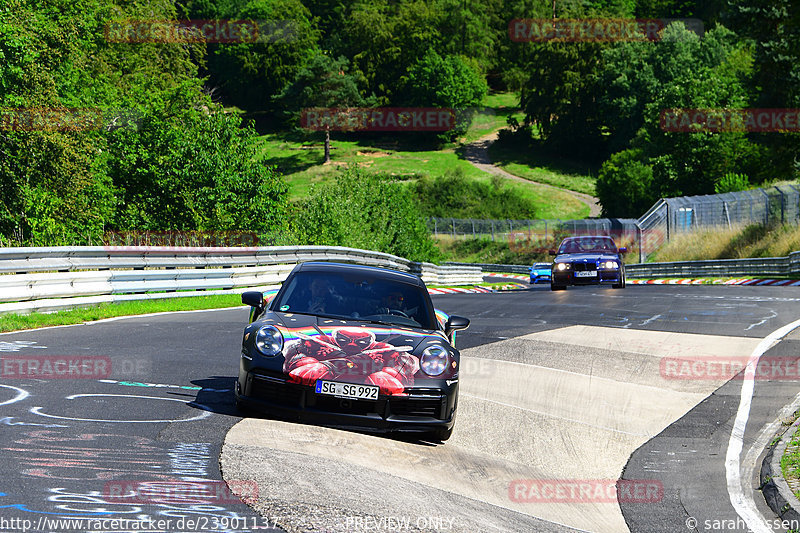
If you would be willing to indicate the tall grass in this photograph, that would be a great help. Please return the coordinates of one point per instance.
(734, 243)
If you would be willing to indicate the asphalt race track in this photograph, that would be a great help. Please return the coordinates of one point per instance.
(562, 394)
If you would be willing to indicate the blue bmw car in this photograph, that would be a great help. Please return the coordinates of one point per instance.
(590, 260)
(540, 272)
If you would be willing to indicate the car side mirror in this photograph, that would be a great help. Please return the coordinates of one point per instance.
(253, 299)
(552, 252)
(455, 323)
(623, 250)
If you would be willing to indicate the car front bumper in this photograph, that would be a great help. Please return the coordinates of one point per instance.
(603, 276)
(422, 409)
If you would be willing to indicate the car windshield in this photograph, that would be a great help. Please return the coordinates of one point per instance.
(348, 296)
(577, 245)
(543, 266)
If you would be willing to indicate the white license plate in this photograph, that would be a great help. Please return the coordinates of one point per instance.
(347, 390)
(586, 274)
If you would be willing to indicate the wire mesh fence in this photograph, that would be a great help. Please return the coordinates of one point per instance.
(666, 218)
(535, 236)
(542, 229)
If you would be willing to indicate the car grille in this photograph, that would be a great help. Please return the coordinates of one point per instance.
(580, 267)
(275, 390)
(339, 405)
(409, 406)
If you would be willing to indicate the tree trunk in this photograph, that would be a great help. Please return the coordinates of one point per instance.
(327, 146)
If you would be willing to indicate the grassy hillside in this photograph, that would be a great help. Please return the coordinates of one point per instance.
(543, 168)
(300, 159)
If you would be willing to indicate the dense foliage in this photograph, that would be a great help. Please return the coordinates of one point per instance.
(154, 151)
(367, 211)
(453, 195)
(166, 156)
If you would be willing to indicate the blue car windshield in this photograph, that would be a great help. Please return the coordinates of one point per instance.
(353, 296)
(581, 245)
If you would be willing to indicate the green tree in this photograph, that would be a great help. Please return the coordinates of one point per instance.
(774, 27)
(625, 186)
(185, 166)
(445, 82)
(323, 83)
(188, 169)
(250, 74)
(560, 98)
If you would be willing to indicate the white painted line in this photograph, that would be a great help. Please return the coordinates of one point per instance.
(745, 507)
(21, 394)
(206, 412)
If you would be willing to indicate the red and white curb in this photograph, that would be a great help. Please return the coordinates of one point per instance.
(503, 275)
(458, 290)
(723, 281)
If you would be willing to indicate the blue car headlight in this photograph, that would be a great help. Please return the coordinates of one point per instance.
(269, 341)
(609, 265)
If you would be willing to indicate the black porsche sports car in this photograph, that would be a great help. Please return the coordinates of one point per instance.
(590, 260)
(351, 345)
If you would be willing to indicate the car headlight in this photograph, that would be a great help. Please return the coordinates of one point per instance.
(269, 340)
(434, 360)
(610, 264)
(562, 266)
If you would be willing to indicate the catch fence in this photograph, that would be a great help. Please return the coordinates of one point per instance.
(666, 218)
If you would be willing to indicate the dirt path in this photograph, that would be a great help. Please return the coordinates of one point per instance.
(477, 153)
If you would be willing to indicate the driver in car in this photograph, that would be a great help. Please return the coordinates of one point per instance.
(323, 299)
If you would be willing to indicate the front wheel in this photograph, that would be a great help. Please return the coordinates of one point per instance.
(621, 284)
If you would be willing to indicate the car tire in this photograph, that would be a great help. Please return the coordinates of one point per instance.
(621, 284)
(241, 408)
(557, 287)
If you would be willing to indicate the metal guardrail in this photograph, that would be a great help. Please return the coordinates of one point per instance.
(494, 267)
(48, 279)
(781, 267)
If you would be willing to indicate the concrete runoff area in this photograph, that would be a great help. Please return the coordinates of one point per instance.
(564, 407)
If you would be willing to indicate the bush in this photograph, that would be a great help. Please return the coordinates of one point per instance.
(732, 182)
(625, 186)
(191, 169)
(455, 195)
(367, 211)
